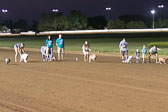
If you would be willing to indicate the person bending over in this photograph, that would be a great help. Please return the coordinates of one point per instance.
(19, 49)
(153, 51)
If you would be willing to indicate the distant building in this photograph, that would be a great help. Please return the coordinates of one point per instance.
(5, 30)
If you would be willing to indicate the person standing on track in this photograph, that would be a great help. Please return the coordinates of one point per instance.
(86, 49)
(19, 49)
(123, 49)
(49, 43)
(144, 52)
(60, 47)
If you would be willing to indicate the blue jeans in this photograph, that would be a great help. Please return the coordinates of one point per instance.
(43, 56)
(50, 56)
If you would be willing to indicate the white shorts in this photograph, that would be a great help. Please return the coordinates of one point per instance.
(137, 58)
(85, 52)
(60, 50)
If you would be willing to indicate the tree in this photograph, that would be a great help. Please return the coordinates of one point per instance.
(62, 22)
(77, 21)
(22, 25)
(136, 25)
(45, 22)
(34, 26)
(97, 22)
(136, 17)
(161, 23)
(111, 24)
(118, 24)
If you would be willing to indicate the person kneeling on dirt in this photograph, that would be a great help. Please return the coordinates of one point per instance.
(153, 51)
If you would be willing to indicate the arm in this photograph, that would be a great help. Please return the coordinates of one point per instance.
(119, 46)
(20, 51)
(46, 42)
(57, 43)
(158, 49)
(83, 47)
(44, 54)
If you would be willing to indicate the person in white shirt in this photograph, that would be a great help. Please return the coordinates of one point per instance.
(153, 51)
(86, 49)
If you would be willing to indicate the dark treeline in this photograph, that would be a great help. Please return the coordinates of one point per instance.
(77, 21)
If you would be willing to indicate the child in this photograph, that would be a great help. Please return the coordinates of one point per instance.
(137, 56)
(86, 49)
(144, 51)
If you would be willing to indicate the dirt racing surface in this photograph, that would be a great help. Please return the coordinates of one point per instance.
(69, 86)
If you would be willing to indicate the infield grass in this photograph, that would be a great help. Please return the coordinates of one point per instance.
(104, 45)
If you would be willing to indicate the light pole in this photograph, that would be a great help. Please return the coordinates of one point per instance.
(55, 11)
(153, 16)
(160, 7)
(5, 11)
(108, 9)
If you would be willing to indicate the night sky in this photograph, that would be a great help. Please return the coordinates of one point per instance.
(31, 9)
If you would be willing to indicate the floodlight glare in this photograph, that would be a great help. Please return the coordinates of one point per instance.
(160, 6)
(4, 10)
(108, 8)
(153, 11)
(55, 10)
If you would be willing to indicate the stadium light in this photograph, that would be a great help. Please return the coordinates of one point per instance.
(160, 6)
(153, 16)
(55, 11)
(5, 11)
(108, 9)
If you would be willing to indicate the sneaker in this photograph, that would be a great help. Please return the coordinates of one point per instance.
(123, 61)
(43, 59)
(157, 62)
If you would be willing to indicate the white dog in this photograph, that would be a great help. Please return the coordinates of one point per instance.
(24, 58)
(92, 57)
(129, 59)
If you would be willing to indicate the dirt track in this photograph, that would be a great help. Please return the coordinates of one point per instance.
(68, 86)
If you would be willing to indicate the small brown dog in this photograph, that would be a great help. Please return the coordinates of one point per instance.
(163, 60)
(92, 57)
(55, 58)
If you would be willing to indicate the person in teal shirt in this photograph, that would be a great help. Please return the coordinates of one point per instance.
(49, 43)
(144, 52)
(60, 47)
